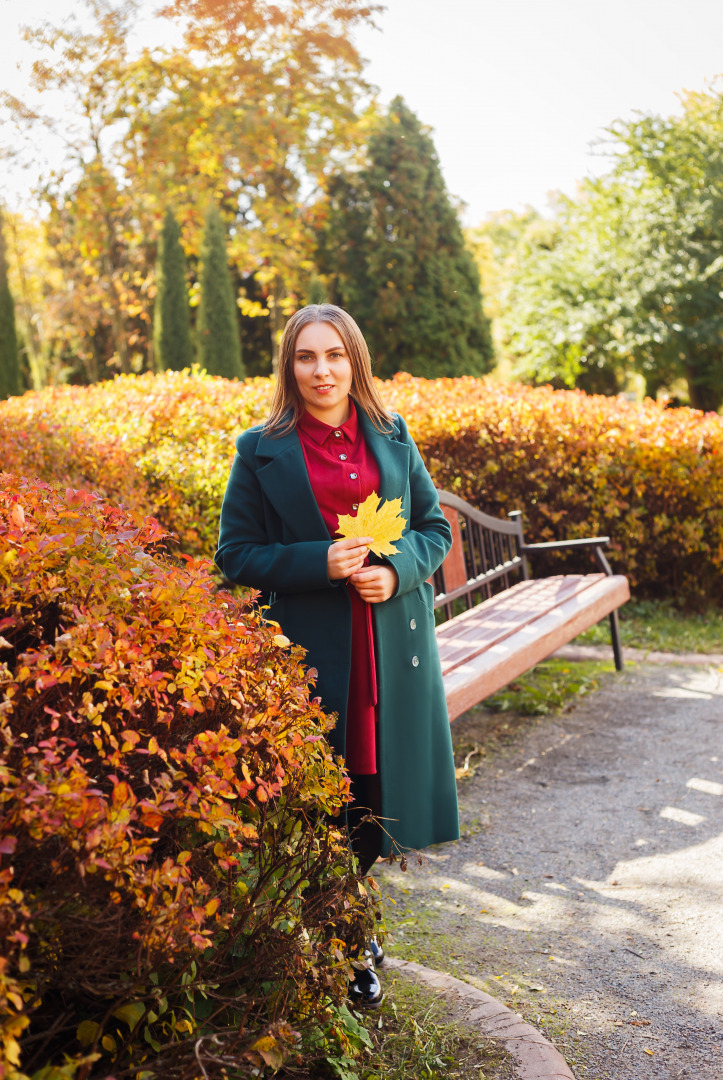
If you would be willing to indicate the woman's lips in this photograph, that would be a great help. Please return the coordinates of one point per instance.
(325, 388)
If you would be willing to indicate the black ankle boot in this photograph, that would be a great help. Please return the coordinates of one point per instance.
(376, 952)
(365, 990)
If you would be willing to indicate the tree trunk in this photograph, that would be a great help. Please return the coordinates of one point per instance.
(277, 322)
(702, 395)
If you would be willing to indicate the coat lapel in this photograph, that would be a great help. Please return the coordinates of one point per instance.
(392, 457)
(285, 481)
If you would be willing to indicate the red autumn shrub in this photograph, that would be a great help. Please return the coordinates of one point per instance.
(577, 465)
(173, 891)
(583, 465)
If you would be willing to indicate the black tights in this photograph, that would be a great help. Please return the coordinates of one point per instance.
(365, 836)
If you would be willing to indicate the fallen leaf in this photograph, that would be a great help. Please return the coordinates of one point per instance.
(651, 1052)
(384, 523)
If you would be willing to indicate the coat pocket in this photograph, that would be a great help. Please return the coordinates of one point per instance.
(425, 592)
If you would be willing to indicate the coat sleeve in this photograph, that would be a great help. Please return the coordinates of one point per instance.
(245, 553)
(428, 539)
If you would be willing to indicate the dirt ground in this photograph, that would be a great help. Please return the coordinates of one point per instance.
(587, 889)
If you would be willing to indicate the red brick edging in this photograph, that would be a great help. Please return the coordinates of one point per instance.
(536, 1058)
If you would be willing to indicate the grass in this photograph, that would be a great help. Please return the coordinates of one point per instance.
(415, 1036)
(658, 626)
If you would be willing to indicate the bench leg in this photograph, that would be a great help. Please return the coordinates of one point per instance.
(615, 635)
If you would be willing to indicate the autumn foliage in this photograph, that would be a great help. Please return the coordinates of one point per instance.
(173, 888)
(577, 465)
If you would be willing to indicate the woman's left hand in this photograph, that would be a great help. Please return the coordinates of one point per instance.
(375, 583)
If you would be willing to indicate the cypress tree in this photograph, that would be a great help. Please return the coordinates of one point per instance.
(171, 315)
(395, 253)
(9, 364)
(219, 342)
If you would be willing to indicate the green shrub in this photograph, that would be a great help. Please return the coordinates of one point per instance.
(173, 889)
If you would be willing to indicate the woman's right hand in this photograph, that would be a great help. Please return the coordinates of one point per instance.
(345, 557)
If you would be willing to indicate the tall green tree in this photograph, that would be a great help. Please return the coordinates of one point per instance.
(629, 275)
(217, 328)
(171, 313)
(9, 365)
(395, 255)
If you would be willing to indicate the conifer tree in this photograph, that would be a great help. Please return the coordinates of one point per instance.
(395, 254)
(171, 315)
(219, 341)
(9, 364)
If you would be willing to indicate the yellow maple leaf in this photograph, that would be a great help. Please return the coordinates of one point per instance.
(384, 523)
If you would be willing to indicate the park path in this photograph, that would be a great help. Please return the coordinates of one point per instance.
(587, 889)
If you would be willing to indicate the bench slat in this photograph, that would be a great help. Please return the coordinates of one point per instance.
(495, 619)
(493, 661)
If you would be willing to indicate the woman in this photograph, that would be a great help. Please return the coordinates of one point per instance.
(366, 622)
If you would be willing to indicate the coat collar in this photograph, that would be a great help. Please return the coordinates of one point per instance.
(285, 481)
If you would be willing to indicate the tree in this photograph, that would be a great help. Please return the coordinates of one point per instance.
(9, 366)
(252, 110)
(171, 314)
(217, 330)
(630, 274)
(394, 251)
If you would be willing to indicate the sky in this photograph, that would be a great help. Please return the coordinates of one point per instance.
(517, 92)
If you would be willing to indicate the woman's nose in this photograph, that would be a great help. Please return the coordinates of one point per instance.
(321, 367)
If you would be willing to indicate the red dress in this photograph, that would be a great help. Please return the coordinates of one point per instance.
(343, 473)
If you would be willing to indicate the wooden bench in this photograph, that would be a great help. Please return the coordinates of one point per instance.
(510, 625)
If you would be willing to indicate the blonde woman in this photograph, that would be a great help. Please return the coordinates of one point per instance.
(366, 622)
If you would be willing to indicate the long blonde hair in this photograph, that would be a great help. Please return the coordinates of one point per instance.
(286, 404)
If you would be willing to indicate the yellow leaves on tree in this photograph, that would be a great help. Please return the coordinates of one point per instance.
(384, 523)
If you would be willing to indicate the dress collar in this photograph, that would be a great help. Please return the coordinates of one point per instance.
(321, 432)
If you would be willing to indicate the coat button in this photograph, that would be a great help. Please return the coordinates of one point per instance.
(415, 661)
(412, 624)
(338, 434)
(342, 457)
(355, 506)
(352, 476)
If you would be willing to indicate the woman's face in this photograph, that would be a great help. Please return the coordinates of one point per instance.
(323, 372)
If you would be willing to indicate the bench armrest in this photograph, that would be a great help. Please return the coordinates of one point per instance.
(596, 542)
(559, 545)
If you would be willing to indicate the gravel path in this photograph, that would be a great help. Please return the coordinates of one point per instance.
(587, 891)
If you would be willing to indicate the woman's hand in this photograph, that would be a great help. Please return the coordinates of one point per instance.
(375, 583)
(345, 557)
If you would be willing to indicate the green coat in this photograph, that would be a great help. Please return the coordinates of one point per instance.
(272, 537)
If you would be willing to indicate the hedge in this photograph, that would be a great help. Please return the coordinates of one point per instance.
(576, 465)
(174, 889)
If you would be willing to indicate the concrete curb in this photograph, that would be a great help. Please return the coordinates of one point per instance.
(605, 652)
(536, 1058)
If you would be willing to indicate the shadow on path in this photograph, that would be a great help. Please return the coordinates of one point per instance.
(588, 892)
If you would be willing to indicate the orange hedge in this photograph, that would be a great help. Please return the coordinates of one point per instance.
(171, 888)
(576, 464)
